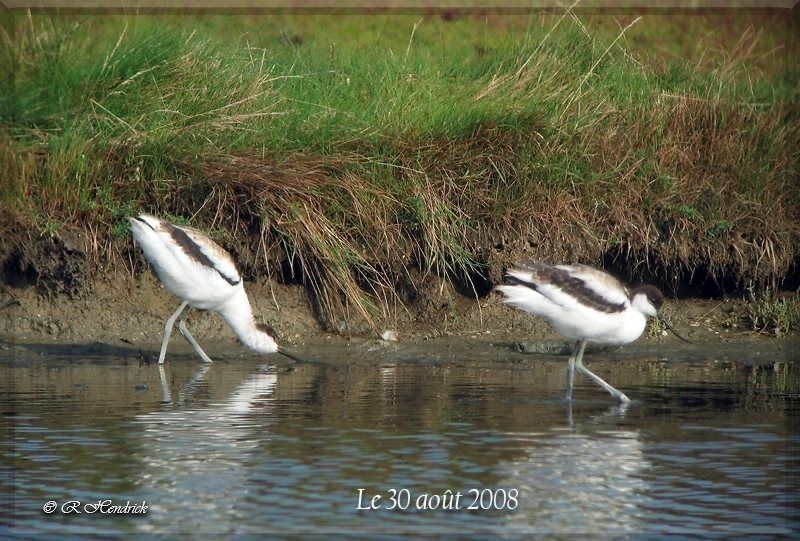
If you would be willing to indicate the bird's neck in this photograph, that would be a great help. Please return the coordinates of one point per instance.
(238, 314)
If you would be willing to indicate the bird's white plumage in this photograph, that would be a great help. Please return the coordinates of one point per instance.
(565, 311)
(198, 271)
(583, 304)
(204, 287)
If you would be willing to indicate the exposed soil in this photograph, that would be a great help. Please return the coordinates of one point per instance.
(52, 292)
(120, 309)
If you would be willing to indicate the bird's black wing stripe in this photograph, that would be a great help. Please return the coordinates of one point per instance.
(145, 222)
(571, 285)
(191, 249)
(514, 281)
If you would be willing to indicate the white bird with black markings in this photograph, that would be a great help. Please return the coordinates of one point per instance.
(202, 275)
(586, 305)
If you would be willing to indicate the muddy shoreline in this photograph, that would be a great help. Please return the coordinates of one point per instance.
(129, 313)
(474, 352)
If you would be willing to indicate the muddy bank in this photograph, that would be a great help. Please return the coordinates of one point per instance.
(751, 354)
(130, 312)
(57, 288)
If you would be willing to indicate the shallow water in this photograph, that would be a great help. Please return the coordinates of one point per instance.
(247, 446)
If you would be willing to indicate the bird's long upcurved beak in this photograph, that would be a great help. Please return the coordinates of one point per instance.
(666, 323)
(292, 356)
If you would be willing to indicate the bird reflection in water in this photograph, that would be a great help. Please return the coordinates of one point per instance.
(195, 460)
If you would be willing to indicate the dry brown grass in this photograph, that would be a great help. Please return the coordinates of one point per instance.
(451, 206)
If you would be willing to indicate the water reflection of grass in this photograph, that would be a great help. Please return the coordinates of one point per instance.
(358, 147)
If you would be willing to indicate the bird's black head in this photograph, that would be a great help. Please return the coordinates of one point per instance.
(652, 293)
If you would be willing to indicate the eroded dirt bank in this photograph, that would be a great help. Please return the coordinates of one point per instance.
(131, 311)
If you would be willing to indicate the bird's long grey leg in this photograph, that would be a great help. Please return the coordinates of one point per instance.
(571, 367)
(166, 396)
(570, 423)
(189, 338)
(168, 331)
(598, 380)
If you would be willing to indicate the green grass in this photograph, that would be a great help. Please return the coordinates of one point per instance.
(773, 313)
(365, 146)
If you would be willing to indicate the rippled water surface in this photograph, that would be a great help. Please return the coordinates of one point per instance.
(246, 446)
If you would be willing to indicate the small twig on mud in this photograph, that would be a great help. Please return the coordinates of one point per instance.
(712, 310)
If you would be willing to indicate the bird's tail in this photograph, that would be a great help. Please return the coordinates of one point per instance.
(145, 219)
(524, 298)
